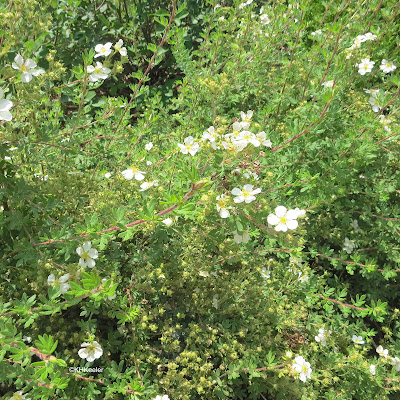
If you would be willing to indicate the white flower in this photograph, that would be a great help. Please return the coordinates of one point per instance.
(87, 255)
(148, 146)
(370, 36)
(387, 66)
(372, 369)
(321, 337)
(265, 273)
(246, 3)
(121, 50)
(348, 245)
(302, 366)
(244, 238)
(262, 138)
(27, 67)
(164, 397)
(382, 352)
(149, 163)
(264, 19)
(317, 32)
(300, 213)
(204, 274)
(376, 106)
(98, 72)
(372, 92)
(210, 134)
(5, 105)
(148, 184)
(247, 194)
(357, 339)
(248, 137)
(251, 174)
(384, 120)
(246, 117)
(289, 354)
(222, 207)
(131, 172)
(189, 146)
(62, 281)
(107, 175)
(327, 84)
(302, 277)
(19, 396)
(396, 363)
(167, 221)
(365, 66)
(103, 50)
(283, 219)
(27, 339)
(354, 225)
(90, 351)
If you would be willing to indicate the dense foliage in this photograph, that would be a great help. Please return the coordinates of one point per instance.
(200, 200)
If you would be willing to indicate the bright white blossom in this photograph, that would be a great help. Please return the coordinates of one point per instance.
(354, 225)
(149, 162)
(247, 194)
(376, 106)
(365, 66)
(244, 238)
(382, 352)
(385, 121)
(107, 175)
(189, 146)
(97, 72)
(148, 184)
(167, 221)
(250, 174)
(121, 50)
(159, 397)
(5, 105)
(302, 366)
(265, 273)
(264, 19)
(90, 351)
(387, 66)
(222, 207)
(87, 255)
(133, 172)
(348, 245)
(396, 363)
(283, 219)
(300, 213)
(246, 117)
(372, 369)
(148, 146)
(357, 339)
(246, 3)
(262, 138)
(317, 32)
(19, 396)
(321, 337)
(328, 84)
(27, 67)
(369, 36)
(62, 281)
(103, 50)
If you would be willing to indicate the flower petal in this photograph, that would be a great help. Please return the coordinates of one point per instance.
(273, 219)
(292, 224)
(280, 211)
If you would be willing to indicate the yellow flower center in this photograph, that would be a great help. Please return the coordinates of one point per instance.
(85, 255)
(24, 68)
(17, 397)
(188, 147)
(97, 70)
(91, 347)
(388, 64)
(221, 203)
(245, 193)
(283, 220)
(304, 368)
